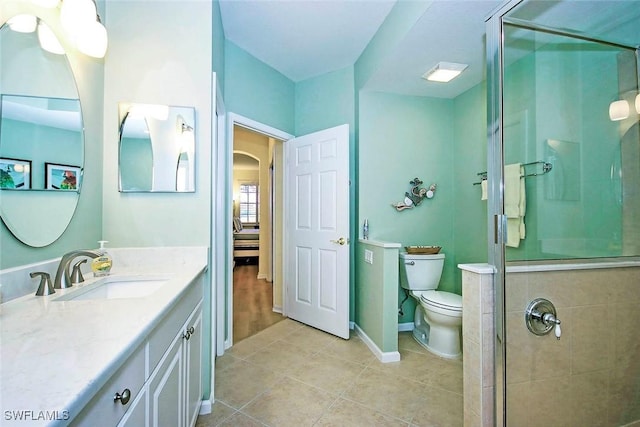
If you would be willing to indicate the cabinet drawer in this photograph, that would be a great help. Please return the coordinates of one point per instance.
(163, 335)
(103, 409)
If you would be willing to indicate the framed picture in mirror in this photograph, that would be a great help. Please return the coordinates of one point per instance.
(62, 177)
(15, 174)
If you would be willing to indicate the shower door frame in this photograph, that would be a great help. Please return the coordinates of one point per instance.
(496, 218)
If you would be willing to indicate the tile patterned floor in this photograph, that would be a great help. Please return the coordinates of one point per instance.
(293, 375)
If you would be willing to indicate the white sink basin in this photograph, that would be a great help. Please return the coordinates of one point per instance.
(116, 287)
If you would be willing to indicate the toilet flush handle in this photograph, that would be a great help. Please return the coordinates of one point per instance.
(410, 262)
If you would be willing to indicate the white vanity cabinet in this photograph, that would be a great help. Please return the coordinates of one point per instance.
(160, 384)
(175, 387)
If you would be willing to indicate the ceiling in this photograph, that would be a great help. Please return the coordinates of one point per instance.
(307, 38)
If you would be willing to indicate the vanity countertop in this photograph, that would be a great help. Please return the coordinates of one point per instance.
(55, 355)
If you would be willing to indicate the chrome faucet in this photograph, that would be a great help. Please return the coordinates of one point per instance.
(63, 278)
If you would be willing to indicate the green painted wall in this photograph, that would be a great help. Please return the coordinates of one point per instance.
(257, 91)
(377, 296)
(325, 101)
(470, 158)
(403, 137)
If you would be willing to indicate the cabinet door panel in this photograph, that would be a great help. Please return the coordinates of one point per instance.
(193, 375)
(136, 416)
(166, 395)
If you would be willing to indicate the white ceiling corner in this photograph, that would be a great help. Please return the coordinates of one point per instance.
(303, 38)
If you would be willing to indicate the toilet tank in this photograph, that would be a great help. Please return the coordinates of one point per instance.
(420, 272)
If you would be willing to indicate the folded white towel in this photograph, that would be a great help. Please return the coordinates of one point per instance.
(512, 190)
(515, 203)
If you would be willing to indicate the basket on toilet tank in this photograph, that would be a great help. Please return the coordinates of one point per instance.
(420, 272)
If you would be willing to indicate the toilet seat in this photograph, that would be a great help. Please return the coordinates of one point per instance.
(442, 300)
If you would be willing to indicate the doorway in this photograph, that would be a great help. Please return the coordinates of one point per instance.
(257, 301)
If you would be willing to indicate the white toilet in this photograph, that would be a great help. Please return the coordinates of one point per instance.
(438, 316)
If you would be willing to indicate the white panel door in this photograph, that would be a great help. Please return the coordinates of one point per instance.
(317, 230)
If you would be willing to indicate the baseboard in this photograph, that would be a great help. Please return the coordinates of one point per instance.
(262, 276)
(404, 327)
(277, 309)
(227, 344)
(384, 357)
(205, 407)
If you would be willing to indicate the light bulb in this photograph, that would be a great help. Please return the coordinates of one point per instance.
(75, 15)
(638, 103)
(93, 41)
(618, 110)
(48, 40)
(23, 23)
(49, 4)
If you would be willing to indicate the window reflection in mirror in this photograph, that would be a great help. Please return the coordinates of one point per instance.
(157, 148)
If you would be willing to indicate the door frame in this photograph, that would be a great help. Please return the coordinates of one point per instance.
(224, 257)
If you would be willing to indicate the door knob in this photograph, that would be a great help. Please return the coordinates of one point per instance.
(341, 241)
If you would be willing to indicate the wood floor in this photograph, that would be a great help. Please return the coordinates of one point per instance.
(252, 303)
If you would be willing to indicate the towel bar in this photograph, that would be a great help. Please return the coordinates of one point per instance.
(546, 168)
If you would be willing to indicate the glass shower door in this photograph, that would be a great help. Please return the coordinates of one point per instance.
(566, 153)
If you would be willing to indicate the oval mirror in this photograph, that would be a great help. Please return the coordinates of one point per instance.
(41, 139)
(157, 148)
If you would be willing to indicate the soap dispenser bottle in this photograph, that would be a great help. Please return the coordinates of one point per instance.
(101, 265)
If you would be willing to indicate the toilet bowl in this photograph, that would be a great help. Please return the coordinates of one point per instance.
(438, 315)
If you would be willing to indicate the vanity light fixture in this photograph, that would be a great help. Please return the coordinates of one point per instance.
(48, 40)
(75, 14)
(619, 110)
(49, 4)
(23, 23)
(80, 20)
(638, 103)
(444, 72)
(94, 41)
